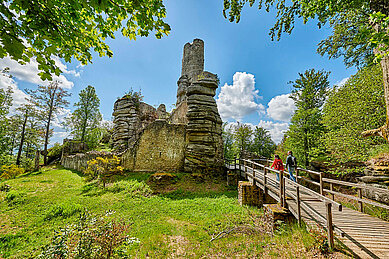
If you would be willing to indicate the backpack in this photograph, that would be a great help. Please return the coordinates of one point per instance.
(294, 161)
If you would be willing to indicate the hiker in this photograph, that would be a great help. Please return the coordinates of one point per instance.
(278, 165)
(291, 164)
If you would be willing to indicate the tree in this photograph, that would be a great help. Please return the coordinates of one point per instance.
(350, 109)
(48, 100)
(242, 135)
(26, 112)
(85, 120)
(5, 139)
(262, 144)
(306, 128)
(71, 29)
(228, 141)
(372, 18)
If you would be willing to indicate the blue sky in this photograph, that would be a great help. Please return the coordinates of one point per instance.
(154, 65)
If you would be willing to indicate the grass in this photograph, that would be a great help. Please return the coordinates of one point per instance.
(178, 221)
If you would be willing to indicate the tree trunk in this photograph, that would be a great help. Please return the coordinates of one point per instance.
(47, 138)
(22, 139)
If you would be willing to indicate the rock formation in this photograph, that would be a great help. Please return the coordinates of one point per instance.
(130, 117)
(196, 91)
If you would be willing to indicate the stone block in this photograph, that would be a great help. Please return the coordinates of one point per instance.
(248, 194)
(276, 213)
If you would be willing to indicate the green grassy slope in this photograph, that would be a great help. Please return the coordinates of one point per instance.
(178, 222)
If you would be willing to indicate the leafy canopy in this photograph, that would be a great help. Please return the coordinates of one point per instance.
(350, 109)
(359, 25)
(72, 29)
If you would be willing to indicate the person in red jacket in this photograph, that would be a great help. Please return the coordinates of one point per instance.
(278, 165)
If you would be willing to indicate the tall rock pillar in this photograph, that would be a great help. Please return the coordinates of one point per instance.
(204, 149)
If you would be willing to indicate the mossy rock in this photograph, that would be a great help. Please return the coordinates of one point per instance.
(162, 178)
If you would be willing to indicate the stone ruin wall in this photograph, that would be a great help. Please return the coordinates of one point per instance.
(189, 139)
(79, 161)
(130, 117)
(160, 148)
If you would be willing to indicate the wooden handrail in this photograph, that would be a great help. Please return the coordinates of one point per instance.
(317, 195)
(358, 199)
(356, 185)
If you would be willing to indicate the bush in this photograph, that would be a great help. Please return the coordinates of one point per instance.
(10, 171)
(64, 210)
(4, 187)
(15, 197)
(103, 169)
(91, 237)
(133, 188)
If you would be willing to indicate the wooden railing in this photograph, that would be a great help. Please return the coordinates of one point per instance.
(259, 171)
(331, 182)
(250, 169)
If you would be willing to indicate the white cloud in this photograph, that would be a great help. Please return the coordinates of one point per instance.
(18, 96)
(342, 82)
(239, 99)
(281, 108)
(29, 72)
(276, 130)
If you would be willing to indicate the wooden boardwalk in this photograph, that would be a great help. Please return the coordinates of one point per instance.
(364, 235)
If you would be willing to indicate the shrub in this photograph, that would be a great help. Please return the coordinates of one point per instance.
(10, 171)
(103, 169)
(133, 188)
(15, 197)
(91, 237)
(4, 187)
(64, 210)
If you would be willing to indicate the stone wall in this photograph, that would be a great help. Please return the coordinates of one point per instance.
(179, 114)
(130, 118)
(79, 161)
(160, 148)
(193, 59)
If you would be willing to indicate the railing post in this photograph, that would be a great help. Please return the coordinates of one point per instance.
(254, 181)
(245, 168)
(297, 175)
(281, 189)
(265, 181)
(284, 192)
(235, 163)
(360, 203)
(298, 201)
(321, 183)
(330, 231)
(332, 189)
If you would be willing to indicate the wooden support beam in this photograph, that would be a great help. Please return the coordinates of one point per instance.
(360, 203)
(284, 193)
(265, 181)
(321, 184)
(332, 189)
(281, 189)
(298, 201)
(330, 231)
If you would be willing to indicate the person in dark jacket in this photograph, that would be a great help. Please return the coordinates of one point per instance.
(278, 165)
(291, 164)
